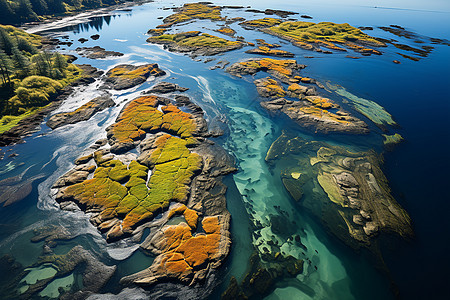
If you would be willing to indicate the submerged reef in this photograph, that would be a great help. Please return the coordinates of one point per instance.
(370, 109)
(195, 43)
(78, 273)
(307, 109)
(172, 185)
(347, 191)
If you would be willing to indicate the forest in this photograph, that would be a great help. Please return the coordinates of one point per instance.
(17, 12)
(30, 76)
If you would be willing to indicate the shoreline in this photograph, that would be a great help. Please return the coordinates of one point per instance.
(80, 17)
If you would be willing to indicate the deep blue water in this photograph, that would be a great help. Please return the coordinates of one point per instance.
(415, 93)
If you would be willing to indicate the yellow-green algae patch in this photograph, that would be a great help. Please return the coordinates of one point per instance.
(392, 139)
(122, 192)
(372, 110)
(194, 39)
(259, 23)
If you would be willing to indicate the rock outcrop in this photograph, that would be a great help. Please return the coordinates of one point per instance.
(270, 52)
(127, 76)
(83, 113)
(97, 52)
(165, 88)
(309, 110)
(312, 36)
(177, 175)
(195, 43)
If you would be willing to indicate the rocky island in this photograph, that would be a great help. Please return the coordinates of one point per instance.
(308, 110)
(173, 175)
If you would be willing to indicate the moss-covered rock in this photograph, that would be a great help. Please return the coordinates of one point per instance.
(313, 36)
(195, 43)
(142, 116)
(126, 76)
(262, 50)
(190, 11)
(281, 69)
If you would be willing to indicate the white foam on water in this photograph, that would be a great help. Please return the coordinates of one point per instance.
(151, 54)
(80, 96)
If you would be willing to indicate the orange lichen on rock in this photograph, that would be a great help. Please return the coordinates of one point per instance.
(280, 68)
(320, 102)
(322, 114)
(263, 50)
(268, 87)
(190, 215)
(227, 31)
(185, 252)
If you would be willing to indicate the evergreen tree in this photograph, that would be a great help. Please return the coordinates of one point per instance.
(41, 65)
(26, 46)
(25, 12)
(21, 63)
(6, 43)
(6, 68)
(40, 7)
(59, 62)
(6, 12)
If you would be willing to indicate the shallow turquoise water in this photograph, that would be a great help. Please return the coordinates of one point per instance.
(415, 93)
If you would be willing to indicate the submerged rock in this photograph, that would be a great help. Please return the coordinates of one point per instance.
(260, 280)
(347, 191)
(15, 189)
(94, 273)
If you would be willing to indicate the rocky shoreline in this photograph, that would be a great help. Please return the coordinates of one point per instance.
(31, 124)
